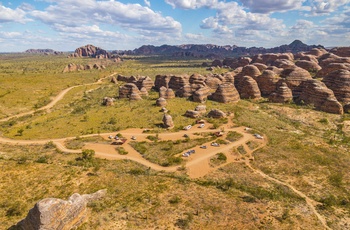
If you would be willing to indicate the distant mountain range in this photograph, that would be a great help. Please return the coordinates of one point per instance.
(216, 51)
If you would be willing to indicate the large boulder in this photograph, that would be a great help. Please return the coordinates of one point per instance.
(248, 88)
(201, 94)
(52, 213)
(167, 121)
(185, 91)
(339, 82)
(108, 101)
(283, 94)
(161, 102)
(192, 114)
(216, 113)
(225, 93)
(201, 109)
(316, 93)
(267, 82)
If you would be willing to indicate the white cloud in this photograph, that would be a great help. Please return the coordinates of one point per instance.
(191, 4)
(10, 15)
(147, 3)
(326, 6)
(128, 16)
(268, 6)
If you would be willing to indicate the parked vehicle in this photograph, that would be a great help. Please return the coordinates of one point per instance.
(201, 126)
(203, 147)
(215, 144)
(188, 127)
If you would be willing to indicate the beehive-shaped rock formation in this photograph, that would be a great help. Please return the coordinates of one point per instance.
(129, 90)
(316, 93)
(332, 67)
(248, 88)
(201, 109)
(161, 81)
(226, 93)
(250, 70)
(212, 82)
(339, 82)
(201, 94)
(308, 65)
(184, 91)
(178, 81)
(267, 82)
(161, 102)
(283, 94)
(294, 77)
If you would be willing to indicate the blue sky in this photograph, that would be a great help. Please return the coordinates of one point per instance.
(64, 25)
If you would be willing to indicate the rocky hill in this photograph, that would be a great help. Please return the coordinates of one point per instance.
(216, 51)
(43, 51)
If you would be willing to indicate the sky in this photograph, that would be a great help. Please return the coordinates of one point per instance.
(64, 25)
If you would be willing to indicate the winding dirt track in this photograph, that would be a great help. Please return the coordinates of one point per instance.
(197, 165)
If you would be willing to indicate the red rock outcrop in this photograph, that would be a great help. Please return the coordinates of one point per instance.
(316, 93)
(308, 65)
(250, 70)
(248, 88)
(332, 67)
(166, 93)
(212, 82)
(317, 52)
(201, 109)
(283, 94)
(129, 90)
(294, 77)
(283, 63)
(91, 51)
(225, 93)
(184, 91)
(161, 80)
(201, 94)
(339, 82)
(267, 82)
(341, 51)
(260, 66)
(178, 81)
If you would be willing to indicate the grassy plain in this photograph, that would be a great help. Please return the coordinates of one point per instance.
(306, 148)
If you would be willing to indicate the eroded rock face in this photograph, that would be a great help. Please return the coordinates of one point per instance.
(52, 213)
(330, 68)
(308, 65)
(341, 51)
(316, 93)
(201, 109)
(248, 88)
(166, 93)
(251, 71)
(294, 77)
(129, 90)
(91, 51)
(283, 63)
(226, 93)
(283, 94)
(216, 113)
(178, 81)
(168, 121)
(212, 82)
(267, 82)
(346, 108)
(339, 82)
(201, 94)
(161, 81)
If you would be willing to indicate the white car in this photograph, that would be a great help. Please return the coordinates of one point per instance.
(201, 126)
(258, 136)
(188, 127)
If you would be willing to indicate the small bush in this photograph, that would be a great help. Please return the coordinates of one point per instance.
(121, 151)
